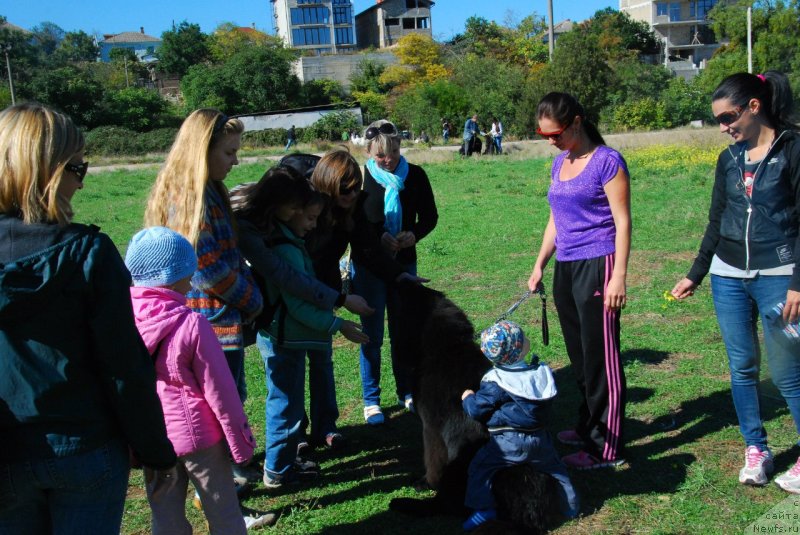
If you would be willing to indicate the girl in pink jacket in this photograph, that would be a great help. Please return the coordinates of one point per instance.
(204, 416)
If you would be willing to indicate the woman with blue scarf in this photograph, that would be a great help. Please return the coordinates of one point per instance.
(399, 203)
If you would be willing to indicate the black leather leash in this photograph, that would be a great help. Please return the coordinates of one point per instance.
(525, 296)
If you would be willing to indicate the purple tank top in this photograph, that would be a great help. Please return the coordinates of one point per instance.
(584, 225)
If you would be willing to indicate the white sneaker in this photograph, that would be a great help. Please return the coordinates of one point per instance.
(757, 466)
(790, 480)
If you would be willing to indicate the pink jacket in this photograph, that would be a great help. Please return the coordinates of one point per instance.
(201, 405)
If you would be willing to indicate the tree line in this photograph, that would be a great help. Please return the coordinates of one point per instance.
(610, 62)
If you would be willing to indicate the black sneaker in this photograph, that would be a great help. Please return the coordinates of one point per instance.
(245, 474)
(305, 465)
(293, 478)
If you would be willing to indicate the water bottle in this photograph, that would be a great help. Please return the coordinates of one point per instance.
(790, 330)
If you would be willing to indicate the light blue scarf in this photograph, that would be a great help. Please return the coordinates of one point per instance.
(393, 184)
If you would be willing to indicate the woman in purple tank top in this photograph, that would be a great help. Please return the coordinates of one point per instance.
(589, 231)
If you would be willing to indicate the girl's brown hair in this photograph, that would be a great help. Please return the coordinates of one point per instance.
(337, 171)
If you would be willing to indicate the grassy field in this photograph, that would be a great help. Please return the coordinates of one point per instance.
(684, 448)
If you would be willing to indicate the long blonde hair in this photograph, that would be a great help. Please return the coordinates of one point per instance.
(36, 143)
(177, 199)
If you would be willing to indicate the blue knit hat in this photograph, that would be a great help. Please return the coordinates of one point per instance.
(502, 343)
(158, 256)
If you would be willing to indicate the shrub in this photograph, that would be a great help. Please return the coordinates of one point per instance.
(118, 141)
(642, 114)
(331, 126)
(269, 137)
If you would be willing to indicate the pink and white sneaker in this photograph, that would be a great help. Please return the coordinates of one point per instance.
(585, 461)
(757, 466)
(790, 480)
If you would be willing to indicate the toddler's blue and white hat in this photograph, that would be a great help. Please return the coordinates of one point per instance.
(502, 343)
(159, 256)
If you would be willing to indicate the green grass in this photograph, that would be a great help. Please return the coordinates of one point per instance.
(684, 448)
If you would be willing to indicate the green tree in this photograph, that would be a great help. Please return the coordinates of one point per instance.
(229, 39)
(367, 76)
(373, 105)
(72, 90)
(618, 33)
(181, 48)
(258, 78)
(47, 36)
(331, 126)
(579, 67)
(322, 91)
(493, 88)
(134, 108)
(77, 46)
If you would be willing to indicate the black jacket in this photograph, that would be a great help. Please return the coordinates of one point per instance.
(74, 372)
(419, 209)
(767, 235)
(327, 245)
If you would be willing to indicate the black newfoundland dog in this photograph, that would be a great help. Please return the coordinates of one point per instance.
(438, 342)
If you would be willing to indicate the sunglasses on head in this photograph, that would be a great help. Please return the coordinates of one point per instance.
(219, 124)
(555, 136)
(78, 168)
(729, 117)
(386, 128)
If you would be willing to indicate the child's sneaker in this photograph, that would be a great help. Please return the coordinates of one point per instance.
(790, 480)
(257, 519)
(373, 415)
(570, 437)
(302, 471)
(757, 466)
(479, 517)
(585, 461)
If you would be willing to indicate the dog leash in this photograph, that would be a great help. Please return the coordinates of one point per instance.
(525, 296)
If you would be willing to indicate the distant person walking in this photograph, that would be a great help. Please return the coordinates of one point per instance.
(291, 138)
(445, 130)
(750, 247)
(471, 131)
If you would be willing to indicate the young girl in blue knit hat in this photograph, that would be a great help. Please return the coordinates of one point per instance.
(513, 401)
(202, 409)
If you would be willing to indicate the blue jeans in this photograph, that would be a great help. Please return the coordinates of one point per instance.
(81, 493)
(289, 143)
(385, 300)
(323, 409)
(285, 370)
(498, 144)
(511, 449)
(738, 303)
(235, 358)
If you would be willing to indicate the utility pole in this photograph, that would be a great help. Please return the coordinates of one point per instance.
(6, 49)
(750, 40)
(550, 32)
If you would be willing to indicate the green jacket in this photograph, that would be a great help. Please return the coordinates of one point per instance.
(74, 372)
(298, 324)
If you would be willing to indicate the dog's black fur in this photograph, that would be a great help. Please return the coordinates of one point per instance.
(437, 341)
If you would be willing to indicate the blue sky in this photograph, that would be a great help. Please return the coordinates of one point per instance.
(104, 16)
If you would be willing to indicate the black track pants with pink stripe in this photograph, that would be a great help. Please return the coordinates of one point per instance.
(591, 334)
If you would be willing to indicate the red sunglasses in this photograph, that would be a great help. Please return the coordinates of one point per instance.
(555, 136)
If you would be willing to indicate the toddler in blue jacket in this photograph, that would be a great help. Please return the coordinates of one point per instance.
(513, 401)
